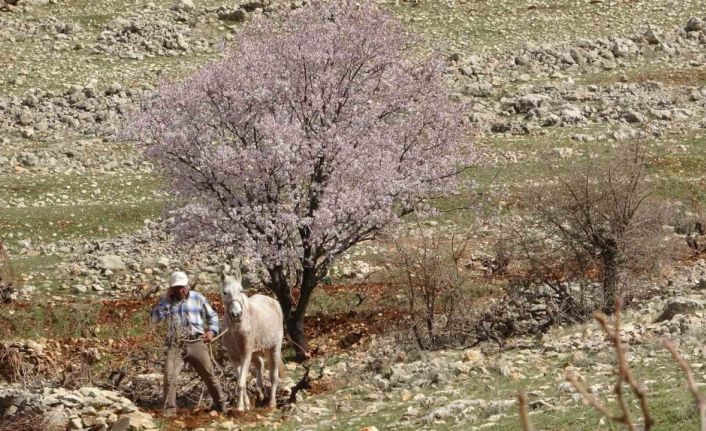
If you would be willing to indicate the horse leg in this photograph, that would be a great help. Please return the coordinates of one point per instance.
(236, 365)
(260, 382)
(243, 401)
(274, 360)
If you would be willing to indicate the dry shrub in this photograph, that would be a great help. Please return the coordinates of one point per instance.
(597, 222)
(25, 363)
(692, 224)
(428, 275)
(25, 422)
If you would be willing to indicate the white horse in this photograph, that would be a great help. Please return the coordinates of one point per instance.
(255, 334)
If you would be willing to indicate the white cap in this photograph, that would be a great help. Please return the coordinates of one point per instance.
(178, 278)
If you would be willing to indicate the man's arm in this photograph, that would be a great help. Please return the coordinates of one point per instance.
(211, 317)
(160, 311)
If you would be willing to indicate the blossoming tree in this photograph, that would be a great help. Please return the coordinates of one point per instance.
(314, 132)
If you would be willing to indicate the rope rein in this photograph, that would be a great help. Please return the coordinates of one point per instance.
(212, 340)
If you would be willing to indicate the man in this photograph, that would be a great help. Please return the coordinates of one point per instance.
(192, 324)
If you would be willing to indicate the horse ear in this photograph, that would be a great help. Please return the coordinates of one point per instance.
(237, 274)
(223, 276)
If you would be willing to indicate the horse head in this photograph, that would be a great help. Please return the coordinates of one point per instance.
(234, 299)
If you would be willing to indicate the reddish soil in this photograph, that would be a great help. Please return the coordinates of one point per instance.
(327, 334)
(198, 418)
(689, 76)
(338, 332)
(116, 311)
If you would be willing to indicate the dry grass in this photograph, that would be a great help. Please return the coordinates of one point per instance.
(693, 76)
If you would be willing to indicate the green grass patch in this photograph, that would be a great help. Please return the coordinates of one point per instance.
(27, 264)
(41, 224)
(48, 320)
(70, 188)
(323, 302)
(651, 71)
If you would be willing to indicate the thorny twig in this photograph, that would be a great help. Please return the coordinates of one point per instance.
(625, 376)
(690, 381)
(8, 280)
(587, 397)
(176, 339)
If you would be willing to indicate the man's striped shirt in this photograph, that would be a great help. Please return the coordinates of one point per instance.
(189, 315)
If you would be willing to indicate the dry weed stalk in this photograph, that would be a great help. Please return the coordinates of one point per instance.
(690, 381)
(524, 413)
(13, 366)
(625, 376)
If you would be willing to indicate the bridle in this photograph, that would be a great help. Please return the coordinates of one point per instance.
(240, 299)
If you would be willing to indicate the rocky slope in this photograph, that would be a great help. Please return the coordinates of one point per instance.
(82, 216)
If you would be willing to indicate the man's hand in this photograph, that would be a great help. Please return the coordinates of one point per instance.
(208, 337)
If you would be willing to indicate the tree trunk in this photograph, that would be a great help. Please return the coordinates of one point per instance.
(296, 324)
(610, 280)
(295, 329)
(294, 316)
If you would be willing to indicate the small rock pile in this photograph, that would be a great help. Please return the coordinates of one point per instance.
(49, 28)
(583, 56)
(80, 108)
(138, 36)
(250, 10)
(534, 309)
(558, 100)
(132, 263)
(19, 5)
(82, 409)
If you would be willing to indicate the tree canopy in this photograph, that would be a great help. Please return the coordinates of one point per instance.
(316, 130)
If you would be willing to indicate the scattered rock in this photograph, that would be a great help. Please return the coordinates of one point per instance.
(136, 421)
(695, 24)
(526, 103)
(562, 152)
(680, 305)
(183, 6)
(111, 262)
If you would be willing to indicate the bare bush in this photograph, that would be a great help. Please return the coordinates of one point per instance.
(428, 274)
(27, 363)
(597, 221)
